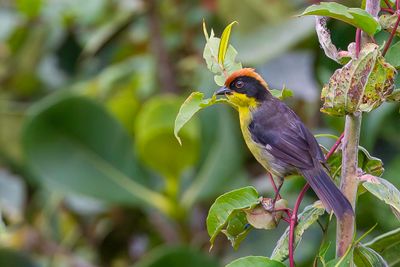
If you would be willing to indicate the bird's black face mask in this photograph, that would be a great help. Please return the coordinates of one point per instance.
(246, 85)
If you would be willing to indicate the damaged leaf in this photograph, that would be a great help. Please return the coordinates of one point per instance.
(361, 85)
(388, 22)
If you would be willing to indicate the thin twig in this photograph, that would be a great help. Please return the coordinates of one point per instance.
(335, 146)
(274, 185)
(397, 4)
(358, 42)
(392, 34)
(388, 10)
(388, 4)
(293, 222)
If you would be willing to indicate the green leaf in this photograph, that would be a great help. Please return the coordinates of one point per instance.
(223, 45)
(360, 85)
(385, 191)
(237, 229)
(210, 54)
(357, 17)
(226, 205)
(388, 22)
(255, 261)
(191, 106)
(100, 165)
(388, 246)
(309, 216)
(176, 257)
(282, 94)
(367, 257)
(154, 138)
(393, 55)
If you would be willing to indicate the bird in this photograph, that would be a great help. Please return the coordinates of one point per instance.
(278, 139)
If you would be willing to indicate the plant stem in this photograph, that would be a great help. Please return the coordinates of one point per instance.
(349, 182)
(293, 222)
(293, 218)
(392, 34)
(358, 42)
(388, 10)
(334, 147)
(388, 4)
(278, 196)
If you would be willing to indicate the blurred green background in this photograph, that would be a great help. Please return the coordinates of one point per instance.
(90, 173)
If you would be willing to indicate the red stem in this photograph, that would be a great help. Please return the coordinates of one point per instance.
(293, 222)
(397, 4)
(335, 146)
(274, 185)
(392, 34)
(358, 41)
(391, 11)
(388, 4)
(293, 218)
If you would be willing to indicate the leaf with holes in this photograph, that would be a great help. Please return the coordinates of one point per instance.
(388, 22)
(226, 206)
(361, 85)
(309, 216)
(357, 17)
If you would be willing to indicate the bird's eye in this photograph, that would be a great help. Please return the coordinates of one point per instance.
(239, 84)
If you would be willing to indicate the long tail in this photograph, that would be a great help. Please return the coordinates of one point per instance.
(327, 192)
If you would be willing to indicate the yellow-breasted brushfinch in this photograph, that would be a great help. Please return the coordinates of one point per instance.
(278, 139)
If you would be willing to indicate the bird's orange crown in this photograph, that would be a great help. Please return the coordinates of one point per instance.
(249, 72)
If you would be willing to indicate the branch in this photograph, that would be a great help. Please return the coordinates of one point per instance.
(349, 182)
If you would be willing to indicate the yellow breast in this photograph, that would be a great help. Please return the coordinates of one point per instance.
(260, 153)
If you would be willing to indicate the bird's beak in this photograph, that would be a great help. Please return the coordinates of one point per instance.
(223, 91)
